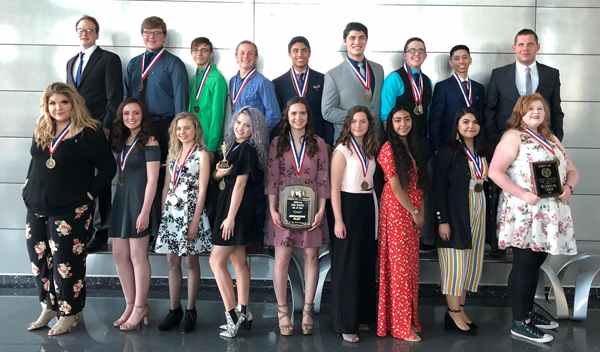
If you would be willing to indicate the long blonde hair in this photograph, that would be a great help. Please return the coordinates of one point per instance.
(175, 144)
(80, 116)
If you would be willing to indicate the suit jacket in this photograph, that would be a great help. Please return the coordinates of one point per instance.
(446, 102)
(284, 90)
(502, 95)
(101, 84)
(342, 90)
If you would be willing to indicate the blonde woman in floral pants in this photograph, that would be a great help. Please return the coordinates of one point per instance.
(59, 192)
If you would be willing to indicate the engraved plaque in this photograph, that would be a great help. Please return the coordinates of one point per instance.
(297, 206)
(546, 179)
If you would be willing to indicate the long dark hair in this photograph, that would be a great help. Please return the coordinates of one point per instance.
(370, 140)
(480, 141)
(402, 159)
(283, 144)
(120, 133)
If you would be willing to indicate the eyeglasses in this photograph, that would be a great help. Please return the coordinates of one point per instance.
(86, 31)
(203, 51)
(414, 51)
(150, 33)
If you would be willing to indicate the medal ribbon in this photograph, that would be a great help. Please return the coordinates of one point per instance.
(298, 158)
(147, 69)
(417, 91)
(202, 81)
(177, 170)
(56, 141)
(125, 156)
(364, 161)
(300, 91)
(543, 141)
(469, 99)
(235, 97)
(365, 81)
(234, 148)
(477, 163)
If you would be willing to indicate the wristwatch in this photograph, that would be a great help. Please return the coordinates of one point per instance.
(416, 212)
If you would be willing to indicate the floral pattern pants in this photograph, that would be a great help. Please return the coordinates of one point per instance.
(56, 246)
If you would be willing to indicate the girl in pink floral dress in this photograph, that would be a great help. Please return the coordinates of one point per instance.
(532, 226)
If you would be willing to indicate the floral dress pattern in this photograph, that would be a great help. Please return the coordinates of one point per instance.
(179, 211)
(546, 226)
(398, 255)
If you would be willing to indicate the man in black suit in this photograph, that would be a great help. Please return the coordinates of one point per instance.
(525, 76)
(304, 82)
(97, 75)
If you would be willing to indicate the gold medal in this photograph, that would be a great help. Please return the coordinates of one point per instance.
(368, 96)
(478, 188)
(141, 86)
(121, 181)
(420, 107)
(50, 163)
(222, 184)
(196, 109)
(416, 110)
(364, 185)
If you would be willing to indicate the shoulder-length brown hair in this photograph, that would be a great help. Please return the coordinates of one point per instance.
(120, 133)
(80, 116)
(370, 141)
(175, 144)
(283, 144)
(515, 122)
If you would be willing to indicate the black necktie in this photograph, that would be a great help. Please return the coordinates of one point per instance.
(417, 81)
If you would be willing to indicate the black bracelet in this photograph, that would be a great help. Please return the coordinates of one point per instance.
(571, 187)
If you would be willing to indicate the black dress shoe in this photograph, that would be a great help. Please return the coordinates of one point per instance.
(97, 244)
(450, 324)
(172, 320)
(189, 320)
(473, 326)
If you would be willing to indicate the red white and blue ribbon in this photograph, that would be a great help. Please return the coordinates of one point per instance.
(125, 156)
(298, 157)
(477, 163)
(364, 161)
(200, 85)
(56, 141)
(417, 91)
(176, 171)
(301, 91)
(469, 99)
(146, 70)
(235, 97)
(541, 140)
(365, 81)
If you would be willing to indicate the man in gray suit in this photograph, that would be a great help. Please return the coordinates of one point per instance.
(356, 81)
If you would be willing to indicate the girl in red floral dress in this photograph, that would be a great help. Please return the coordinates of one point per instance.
(400, 217)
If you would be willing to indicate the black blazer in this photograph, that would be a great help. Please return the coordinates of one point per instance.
(502, 95)
(284, 89)
(451, 193)
(101, 84)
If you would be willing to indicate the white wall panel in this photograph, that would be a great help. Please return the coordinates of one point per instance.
(585, 217)
(14, 159)
(578, 75)
(12, 209)
(561, 41)
(581, 125)
(20, 111)
(568, 3)
(587, 163)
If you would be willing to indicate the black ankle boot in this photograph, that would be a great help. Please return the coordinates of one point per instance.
(172, 320)
(189, 320)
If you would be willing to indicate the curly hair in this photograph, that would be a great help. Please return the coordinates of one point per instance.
(283, 144)
(480, 141)
(174, 142)
(515, 122)
(120, 133)
(80, 116)
(402, 159)
(259, 138)
(370, 141)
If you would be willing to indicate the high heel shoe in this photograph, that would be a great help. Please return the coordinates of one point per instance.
(189, 320)
(308, 329)
(127, 326)
(43, 320)
(121, 321)
(450, 324)
(471, 325)
(247, 325)
(287, 329)
(64, 325)
(232, 328)
(172, 320)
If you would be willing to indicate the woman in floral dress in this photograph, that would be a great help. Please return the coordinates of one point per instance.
(68, 147)
(184, 230)
(532, 226)
(400, 217)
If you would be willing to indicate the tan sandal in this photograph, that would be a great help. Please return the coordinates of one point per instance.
(127, 326)
(287, 329)
(64, 325)
(46, 316)
(121, 321)
(415, 338)
(308, 329)
(352, 338)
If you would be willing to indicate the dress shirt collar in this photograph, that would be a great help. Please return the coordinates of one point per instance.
(89, 51)
(154, 52)
(355, 63)
(521, 67)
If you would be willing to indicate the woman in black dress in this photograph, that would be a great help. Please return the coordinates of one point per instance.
(68, 147)
(233, 213)
(133, 217)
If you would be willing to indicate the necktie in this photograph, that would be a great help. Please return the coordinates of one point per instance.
(417, 81)
(466, 87)
(528, 84)
(301, 80)
(78, 76)
(361, 69)
(147, 61)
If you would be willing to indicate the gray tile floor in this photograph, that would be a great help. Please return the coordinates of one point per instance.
(95, 333)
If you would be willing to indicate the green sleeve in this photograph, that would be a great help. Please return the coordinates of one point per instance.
(219, 99)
